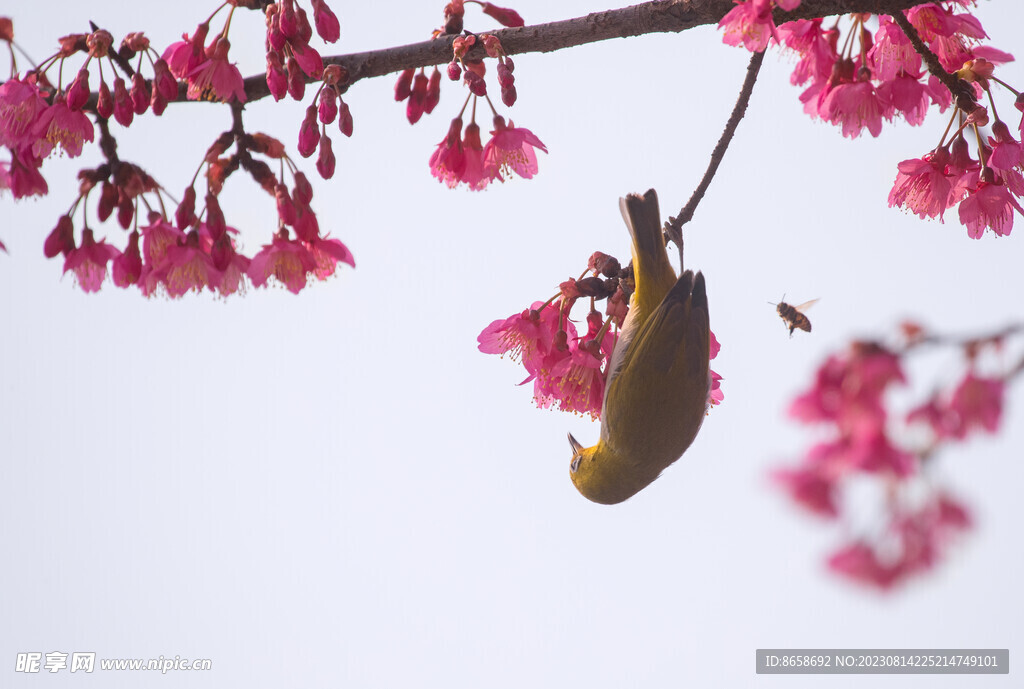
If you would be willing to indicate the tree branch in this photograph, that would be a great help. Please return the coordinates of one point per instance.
(658, 16)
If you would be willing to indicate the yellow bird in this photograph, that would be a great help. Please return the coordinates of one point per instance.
(656, 394)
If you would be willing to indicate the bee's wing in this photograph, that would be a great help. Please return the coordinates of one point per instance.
(806, 305)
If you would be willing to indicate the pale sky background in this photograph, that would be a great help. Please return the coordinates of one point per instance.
(338, 489)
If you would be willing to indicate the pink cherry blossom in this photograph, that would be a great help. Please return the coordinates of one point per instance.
(949, 35)
(527, 337)
(892, 53)
(855, 106)
(575, 383)
(511, 149)
(922, 185)
(127, 267)
(988, 206)
(714, 346)
(749, 23)
(848, 391)
(188, 267)
(448, 163)
(23, 176)
(812, 486)
(978, 403)
(60, 125)
(186, 55)
(157, 238)
(859, 562)
(287, 260)
(715, 393)
(907, 95)
(89, 261)
(875, 453)
(327, 253)
(816, 48)
(21, 104)
(215, 78)
(474, 175)
(1007, 153)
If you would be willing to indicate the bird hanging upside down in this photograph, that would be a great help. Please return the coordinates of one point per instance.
(656, 394)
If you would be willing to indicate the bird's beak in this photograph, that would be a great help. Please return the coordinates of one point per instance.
(576, 447)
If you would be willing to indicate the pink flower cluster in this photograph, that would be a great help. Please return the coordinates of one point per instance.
(313, 131)
(36, 119)
(291, 61)
(465, 160)
(206, 69)
(420, 93)
(290, 58)
(568, 371)
(455, 11)
(849, 398)
(857, 89)
(987, 189)
(190, 255)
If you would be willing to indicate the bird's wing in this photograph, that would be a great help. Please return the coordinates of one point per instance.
(659, 392)
(652, 272)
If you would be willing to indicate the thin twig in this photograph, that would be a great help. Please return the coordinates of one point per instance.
(674, 226)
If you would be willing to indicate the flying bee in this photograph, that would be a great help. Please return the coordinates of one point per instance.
(794, 317)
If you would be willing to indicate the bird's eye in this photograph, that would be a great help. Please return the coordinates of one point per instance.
(575, 463)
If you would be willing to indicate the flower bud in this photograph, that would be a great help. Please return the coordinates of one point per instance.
(127, 268)
(104, 101)
(289, 23)
(285, 205)
(505, 77)
(504, 15)
(344, 118)
(277, 80)
(108, 199)
(403, 87)
(140, 94)
(296, 82)
(124, 110)
(185, 215)
(309, 133)
(325, 161)
(414, 108)
(78, 92)
(476, 83)
(215, 222)
(61, 239)
(328, 109)
(164, 80)
(302, 192)
(433, 95)
(508, 95)
(327, 24)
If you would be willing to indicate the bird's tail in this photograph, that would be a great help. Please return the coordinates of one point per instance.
(653, 274)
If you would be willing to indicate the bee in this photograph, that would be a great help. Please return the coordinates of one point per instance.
(793, 316)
